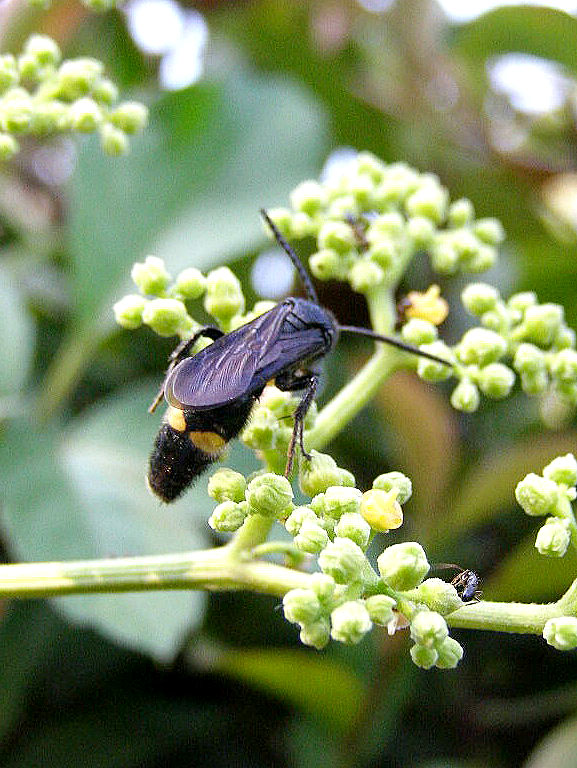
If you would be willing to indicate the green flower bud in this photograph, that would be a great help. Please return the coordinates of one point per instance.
(484, 259)
(311, 538)
(450, 654)
(321, 472)
(297, 517)
(354, 527)
(365, 275)
(478, 298)
(341, 206)
(529, 359)
(541, 323)
(424, 657)
(417, 332)
(130, 116)
(388, 226)
(323, 586)
(429, 629)
(114, 142)
(421, 231)
(128, 311)
(553, 538)
(439, 596)
(150, 276)
(308, 197)
(561, 633)
(429, 200)
(105, 92)
(85, 115)
(362, 189)
(226, 485)
(50, 116)
(190, 284)
(350, 622)
(537, 495)
(380, 609)
(369, 164)
(270, 495)
(461, 212)
(343, 560)
(496, 380)
(398, 182)
(166, 317)
(9, 75)
(520, 302)
(444, 255)
(563, 469)
(302, 225)
(8, 146)
(403, 566)
(535, 383)
(480, 346)
(395, 481)
(489, 231)
(336, 235)
(43, 49)
(564, 338)
(317, 634)
(429, 370)
(227, 517)
(465, 397)
(77, 77)
(339, 501)
(224, 297)
(564, 366)
(383, 253)
(497, 319)
(282, 218)
(28, 67)
(327, 265)
(16, 111)
(261, 431)
(301, 606)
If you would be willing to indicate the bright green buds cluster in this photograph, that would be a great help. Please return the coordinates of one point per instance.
(370, 220)
(267, 495)
(533, 335)
(41, 95)
(551, 494)
(162, 302)
(433, 647)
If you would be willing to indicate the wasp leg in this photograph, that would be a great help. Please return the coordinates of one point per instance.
(179, 353)
(292, 381)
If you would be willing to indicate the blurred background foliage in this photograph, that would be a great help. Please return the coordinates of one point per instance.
(266, 92)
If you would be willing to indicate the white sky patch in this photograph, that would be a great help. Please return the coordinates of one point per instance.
(466, 10)
(532, 85)
(155, 25)
(184, 64)
(272, 274)
(338, 162)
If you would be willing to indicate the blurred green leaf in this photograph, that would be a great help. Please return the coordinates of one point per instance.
(544, 32)
(83, 495)
(17, 338)
(489, 488)
(557, 749)
(323, 687)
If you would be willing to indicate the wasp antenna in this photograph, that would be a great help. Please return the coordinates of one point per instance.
(393, 342)
(305, 279)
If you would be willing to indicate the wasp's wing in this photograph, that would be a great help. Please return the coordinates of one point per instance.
(242, 362)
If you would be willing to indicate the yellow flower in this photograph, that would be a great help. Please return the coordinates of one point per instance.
(429, 305)
(381, 509)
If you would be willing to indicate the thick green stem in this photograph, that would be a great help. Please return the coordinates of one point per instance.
(525, 618)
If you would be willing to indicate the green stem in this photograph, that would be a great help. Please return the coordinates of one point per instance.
(207, 569)
(253, 531)
(524, 618)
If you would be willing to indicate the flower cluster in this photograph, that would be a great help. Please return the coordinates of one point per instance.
(42, 95)
(372, 218)
(347, 596)
(551, 494)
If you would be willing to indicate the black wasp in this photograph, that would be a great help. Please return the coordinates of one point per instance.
(210, 394)
(466, 582)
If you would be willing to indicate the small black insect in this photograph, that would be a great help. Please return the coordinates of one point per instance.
(466, 582)
(210, 394)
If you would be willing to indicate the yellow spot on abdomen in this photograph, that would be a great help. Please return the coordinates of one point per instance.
(175, 417)
(209, 442)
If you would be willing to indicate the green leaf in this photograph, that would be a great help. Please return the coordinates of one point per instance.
(323, 687)
(17, 337)
(82, 494)
(544, 32)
